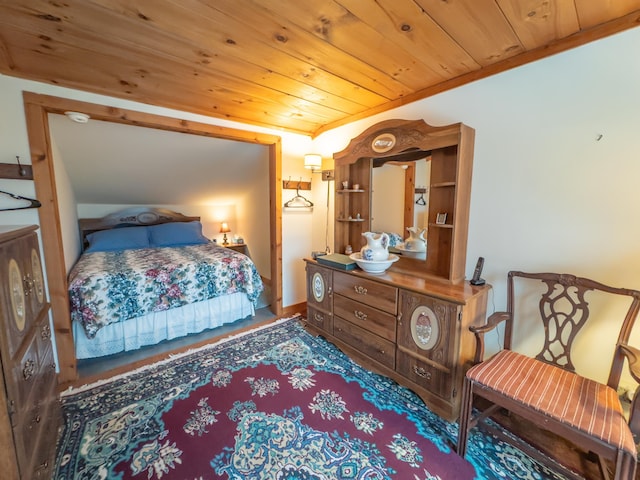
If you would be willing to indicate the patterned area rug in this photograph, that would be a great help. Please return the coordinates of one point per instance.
(273, 403)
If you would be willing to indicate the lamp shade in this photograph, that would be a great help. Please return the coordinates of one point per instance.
(224, 227)
(313, 161)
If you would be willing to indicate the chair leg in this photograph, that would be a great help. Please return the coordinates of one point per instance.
(465, 416)
(625, 466)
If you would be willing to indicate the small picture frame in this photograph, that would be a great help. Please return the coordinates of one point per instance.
(441, 218)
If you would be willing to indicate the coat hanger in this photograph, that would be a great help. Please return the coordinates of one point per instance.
(33, 203)
(421, 200)
(299, 201)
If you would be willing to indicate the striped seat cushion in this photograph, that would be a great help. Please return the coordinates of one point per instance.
(577, 401)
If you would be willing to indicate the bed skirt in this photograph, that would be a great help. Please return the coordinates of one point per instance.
(155, 327)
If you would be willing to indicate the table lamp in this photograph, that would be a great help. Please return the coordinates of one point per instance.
(224, 228)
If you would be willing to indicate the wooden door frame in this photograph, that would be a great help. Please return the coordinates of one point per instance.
(37, 108)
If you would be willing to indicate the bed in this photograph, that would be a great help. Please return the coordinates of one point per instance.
(148, 275)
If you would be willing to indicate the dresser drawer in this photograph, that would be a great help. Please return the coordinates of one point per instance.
(27, 431)
(44, 456)
(320, 319)
(437, 380)
(24, 375)
(46, 383)
(371, 319)
(375, 347)
(35, 435)
(377, 295)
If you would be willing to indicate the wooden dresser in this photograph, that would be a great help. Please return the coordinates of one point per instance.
(30, 413)
(413, 330)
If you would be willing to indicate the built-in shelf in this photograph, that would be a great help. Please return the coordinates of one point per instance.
(440, 225)
(350, 219)
(349, 190)
(443, 184)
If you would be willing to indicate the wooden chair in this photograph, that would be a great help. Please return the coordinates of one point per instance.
(546, 389)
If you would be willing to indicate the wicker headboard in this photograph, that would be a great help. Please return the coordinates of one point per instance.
(130, 217)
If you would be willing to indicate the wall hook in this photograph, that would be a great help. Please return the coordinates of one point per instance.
(9, 170)
(21, 170)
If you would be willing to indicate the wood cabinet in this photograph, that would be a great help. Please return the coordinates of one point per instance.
(411, 329)
(449, 150)
(238, 247)
(30, 412)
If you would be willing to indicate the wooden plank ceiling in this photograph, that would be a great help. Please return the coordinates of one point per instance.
(298, 65)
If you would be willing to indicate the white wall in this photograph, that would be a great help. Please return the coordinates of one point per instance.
(548, 195)
(67, 210)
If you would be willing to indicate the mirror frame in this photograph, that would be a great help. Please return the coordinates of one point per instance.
(451, 150)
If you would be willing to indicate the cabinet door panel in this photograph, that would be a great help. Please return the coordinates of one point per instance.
(34, 280)
(319, 287)
(427, 328)
(425, 375)
(320, 319)
(16, 311)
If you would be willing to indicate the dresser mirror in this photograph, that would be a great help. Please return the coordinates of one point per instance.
(399, 200)
(397, 166)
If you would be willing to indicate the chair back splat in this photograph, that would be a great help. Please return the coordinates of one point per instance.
(546, 389)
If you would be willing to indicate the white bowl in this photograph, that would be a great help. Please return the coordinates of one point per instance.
(422, 254)
(373, 266)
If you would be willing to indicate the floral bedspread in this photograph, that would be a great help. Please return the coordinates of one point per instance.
(110, 287)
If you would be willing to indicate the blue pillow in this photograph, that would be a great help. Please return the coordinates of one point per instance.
(118, 239)
(176, 234)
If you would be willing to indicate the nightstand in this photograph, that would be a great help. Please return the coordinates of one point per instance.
(238, 247)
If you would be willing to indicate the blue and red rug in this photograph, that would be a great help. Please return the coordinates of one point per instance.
(273, 403)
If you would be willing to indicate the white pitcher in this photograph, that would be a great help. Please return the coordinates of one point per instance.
(416, 241)
(377, 247)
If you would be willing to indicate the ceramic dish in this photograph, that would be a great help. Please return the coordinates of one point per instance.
(373, 266)
(411, 253)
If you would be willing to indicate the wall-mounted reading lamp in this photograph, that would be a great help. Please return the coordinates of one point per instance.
(313, 161)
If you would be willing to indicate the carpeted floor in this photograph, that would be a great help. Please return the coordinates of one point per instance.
(272, 403)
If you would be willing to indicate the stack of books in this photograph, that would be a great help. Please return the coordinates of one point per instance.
(337, 260)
